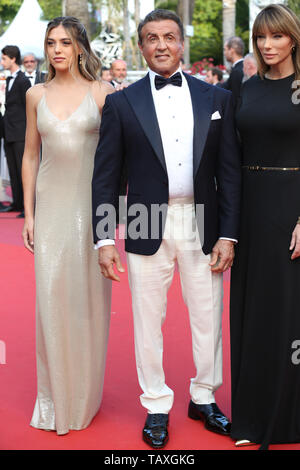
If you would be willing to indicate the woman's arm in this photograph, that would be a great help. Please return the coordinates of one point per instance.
(30, 165)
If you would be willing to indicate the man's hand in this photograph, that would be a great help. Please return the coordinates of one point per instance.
(295, 242)
(108, 256)
(121, 86)
(222, 256)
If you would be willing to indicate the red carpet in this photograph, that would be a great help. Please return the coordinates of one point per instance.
(119, 423)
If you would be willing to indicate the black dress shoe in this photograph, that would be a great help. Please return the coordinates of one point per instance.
(5, 208)
(212, 416)
(155, 432)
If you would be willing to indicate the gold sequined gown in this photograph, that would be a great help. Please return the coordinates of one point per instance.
(73, 298)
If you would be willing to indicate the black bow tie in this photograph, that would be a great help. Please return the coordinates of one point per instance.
(175, 80)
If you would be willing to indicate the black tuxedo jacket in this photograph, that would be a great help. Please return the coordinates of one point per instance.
(234, 81)
(1, 126)
(123, 179)
(15, 109)
(40, 77)
(130, 131)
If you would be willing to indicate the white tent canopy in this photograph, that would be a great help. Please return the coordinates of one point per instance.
(27, 30)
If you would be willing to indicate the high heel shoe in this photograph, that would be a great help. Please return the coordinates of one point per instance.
(244, 443)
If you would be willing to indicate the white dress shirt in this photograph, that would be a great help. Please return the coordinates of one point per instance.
(11, 82)
(31, 77)
(174, 111)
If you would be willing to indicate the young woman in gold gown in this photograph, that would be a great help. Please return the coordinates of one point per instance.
(73, 299)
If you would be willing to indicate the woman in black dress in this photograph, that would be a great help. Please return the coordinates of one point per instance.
(265, 289)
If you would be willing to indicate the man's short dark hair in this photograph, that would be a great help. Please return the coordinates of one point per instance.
(13, 52)
(160, 15)
(218, 72)
(236, 43)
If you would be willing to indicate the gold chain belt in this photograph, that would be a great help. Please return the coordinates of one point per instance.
(263, 168)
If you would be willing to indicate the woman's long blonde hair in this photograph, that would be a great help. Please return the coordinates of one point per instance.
(280, 19)
(88, 63)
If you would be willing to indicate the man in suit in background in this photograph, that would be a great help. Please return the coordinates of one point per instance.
(234, 52)
(250, 66)
(106, 74)
(118, 70)
(214, 76)
(14, 124)
(30, 64)
(178, 138)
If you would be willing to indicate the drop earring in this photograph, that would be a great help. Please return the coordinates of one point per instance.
(80, 59)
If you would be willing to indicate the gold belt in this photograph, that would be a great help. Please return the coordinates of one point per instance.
(264, 168)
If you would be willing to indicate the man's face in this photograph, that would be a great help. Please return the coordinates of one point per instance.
(228, 52)
(247, 68)
(119, 70)
(106, 75)
(6, 62)
(209, 77)
(162, 46)
(29, 63)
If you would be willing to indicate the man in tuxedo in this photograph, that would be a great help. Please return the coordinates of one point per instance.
(234, 51)
(118, 70)
(30, 64)
(177, 136)
(214, 76)
(14, 124)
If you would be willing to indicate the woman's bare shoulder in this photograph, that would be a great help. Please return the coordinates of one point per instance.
(100, 90)
(101, 87)
(35, 93)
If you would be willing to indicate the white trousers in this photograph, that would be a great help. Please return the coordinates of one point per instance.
(150, 278)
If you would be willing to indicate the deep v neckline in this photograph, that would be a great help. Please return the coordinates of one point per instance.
(75, 111)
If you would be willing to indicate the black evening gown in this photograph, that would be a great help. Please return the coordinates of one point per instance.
(265, 282)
